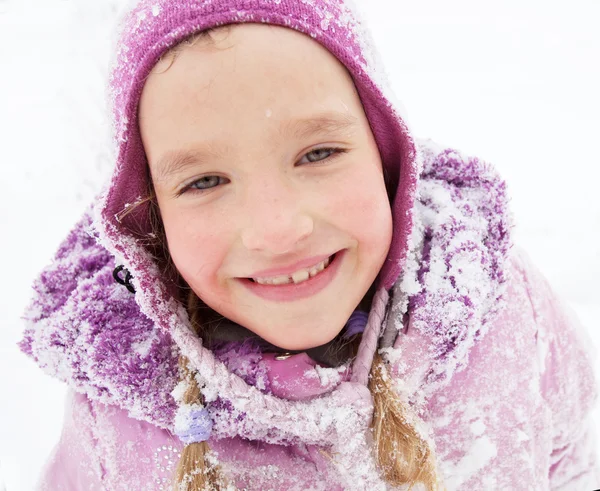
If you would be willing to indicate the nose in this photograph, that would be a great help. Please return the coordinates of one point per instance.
(275, 221)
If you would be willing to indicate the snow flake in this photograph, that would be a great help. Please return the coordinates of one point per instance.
(477, 427)
(328, 376)
(477, 457)
(521, 436)
(165, 460)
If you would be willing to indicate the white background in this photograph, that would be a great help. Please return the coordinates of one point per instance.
(515, 83)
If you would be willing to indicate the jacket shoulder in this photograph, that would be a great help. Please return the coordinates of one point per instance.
(518, 415)
(565, 355)
(490, 424)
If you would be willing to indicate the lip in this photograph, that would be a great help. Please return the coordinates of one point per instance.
(291, 291)
(288, 270)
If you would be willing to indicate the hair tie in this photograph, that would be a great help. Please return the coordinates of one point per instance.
(199, 427)
(356, 324)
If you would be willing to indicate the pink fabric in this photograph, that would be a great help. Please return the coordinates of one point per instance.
(503, 421)
(296, 379)
(500, 424)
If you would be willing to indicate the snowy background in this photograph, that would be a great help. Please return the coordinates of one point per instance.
(515, 83)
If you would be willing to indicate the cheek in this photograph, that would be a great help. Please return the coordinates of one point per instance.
(362, 207)
(196, 246)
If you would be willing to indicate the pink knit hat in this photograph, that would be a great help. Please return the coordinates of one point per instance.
(154, 26)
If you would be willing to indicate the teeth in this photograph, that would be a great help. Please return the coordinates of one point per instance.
(280, 280)
(300, 276)
(296, 277)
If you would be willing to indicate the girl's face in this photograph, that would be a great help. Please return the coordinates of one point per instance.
(264, 166)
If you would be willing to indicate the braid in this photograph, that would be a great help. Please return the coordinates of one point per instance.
(402, 455)
(197, 469)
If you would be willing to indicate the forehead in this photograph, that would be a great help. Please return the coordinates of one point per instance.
(255, 79)
(253, 62)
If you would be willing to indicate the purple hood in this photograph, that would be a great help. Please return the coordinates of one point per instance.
(450, 243)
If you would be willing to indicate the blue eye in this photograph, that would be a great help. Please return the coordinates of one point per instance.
(321, 154)
(205, 183)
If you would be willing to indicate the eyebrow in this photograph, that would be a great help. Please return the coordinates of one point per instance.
(176, 161)
(332, 122)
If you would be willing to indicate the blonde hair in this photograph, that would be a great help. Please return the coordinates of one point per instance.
(403, 456)
(196, 469)
(208, 37)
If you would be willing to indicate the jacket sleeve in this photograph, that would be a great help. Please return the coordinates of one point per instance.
(74, 463)
(567, 385)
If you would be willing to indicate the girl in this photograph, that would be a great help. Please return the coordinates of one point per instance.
(281, 289)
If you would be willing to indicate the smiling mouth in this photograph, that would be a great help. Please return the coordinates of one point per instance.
(296, 277)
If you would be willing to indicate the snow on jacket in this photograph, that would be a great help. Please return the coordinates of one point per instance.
(478, 344)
